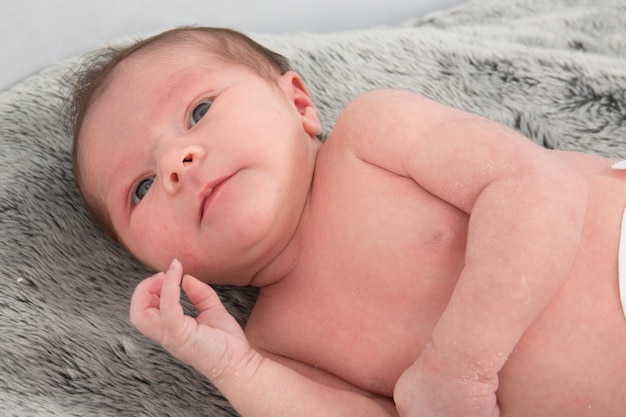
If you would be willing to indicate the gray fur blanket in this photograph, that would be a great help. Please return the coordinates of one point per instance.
(556, 70)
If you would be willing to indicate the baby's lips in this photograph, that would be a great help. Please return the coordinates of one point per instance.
(207, 192)
(205, 197)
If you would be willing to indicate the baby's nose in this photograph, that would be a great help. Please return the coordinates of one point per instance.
(176, 164)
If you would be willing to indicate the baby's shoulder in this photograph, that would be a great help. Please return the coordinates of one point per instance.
(381, 125)
(376, 114)
(367, 115)
(372, 106)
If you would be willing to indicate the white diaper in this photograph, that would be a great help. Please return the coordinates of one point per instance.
(621, 263)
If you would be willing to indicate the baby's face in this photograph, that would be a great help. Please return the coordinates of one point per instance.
(203, 161)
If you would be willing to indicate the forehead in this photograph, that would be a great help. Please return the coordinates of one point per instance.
(154, 74)
(161, 64)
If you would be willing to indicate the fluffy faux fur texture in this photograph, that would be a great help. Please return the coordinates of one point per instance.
(556, 70)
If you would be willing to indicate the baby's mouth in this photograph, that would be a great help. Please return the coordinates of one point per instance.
(205, 201)
(209, 193)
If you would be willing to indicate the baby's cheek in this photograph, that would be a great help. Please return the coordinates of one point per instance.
(150, 246)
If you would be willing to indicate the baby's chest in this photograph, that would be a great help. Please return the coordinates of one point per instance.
(365, 213)
(380, 260)
(379, 270)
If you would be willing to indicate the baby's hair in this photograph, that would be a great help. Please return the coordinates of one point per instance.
(90, 80)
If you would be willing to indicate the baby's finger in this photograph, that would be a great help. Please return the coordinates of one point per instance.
(144, 305)
(212, 312)
(171, 310)
(200, 294)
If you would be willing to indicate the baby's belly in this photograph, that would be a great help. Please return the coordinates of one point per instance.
(572, 360)
(580, 374)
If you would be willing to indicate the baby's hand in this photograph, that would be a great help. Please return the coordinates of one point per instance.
(213, 342)
(434, 386)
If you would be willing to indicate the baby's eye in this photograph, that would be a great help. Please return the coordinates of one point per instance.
(199, 112)
(142, 190)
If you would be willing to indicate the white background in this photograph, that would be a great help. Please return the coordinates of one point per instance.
(36, 33)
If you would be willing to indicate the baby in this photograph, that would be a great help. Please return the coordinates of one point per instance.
(423, 261)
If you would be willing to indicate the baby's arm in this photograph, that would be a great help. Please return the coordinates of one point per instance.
(526, 211)
(216, 346)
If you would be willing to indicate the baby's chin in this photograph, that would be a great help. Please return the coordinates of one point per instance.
(152, 265)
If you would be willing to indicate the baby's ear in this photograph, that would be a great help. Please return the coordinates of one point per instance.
(296, 90)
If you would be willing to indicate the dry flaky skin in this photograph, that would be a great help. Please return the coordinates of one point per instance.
(555, 70)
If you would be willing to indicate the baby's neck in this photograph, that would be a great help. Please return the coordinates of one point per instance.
(286, 260)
